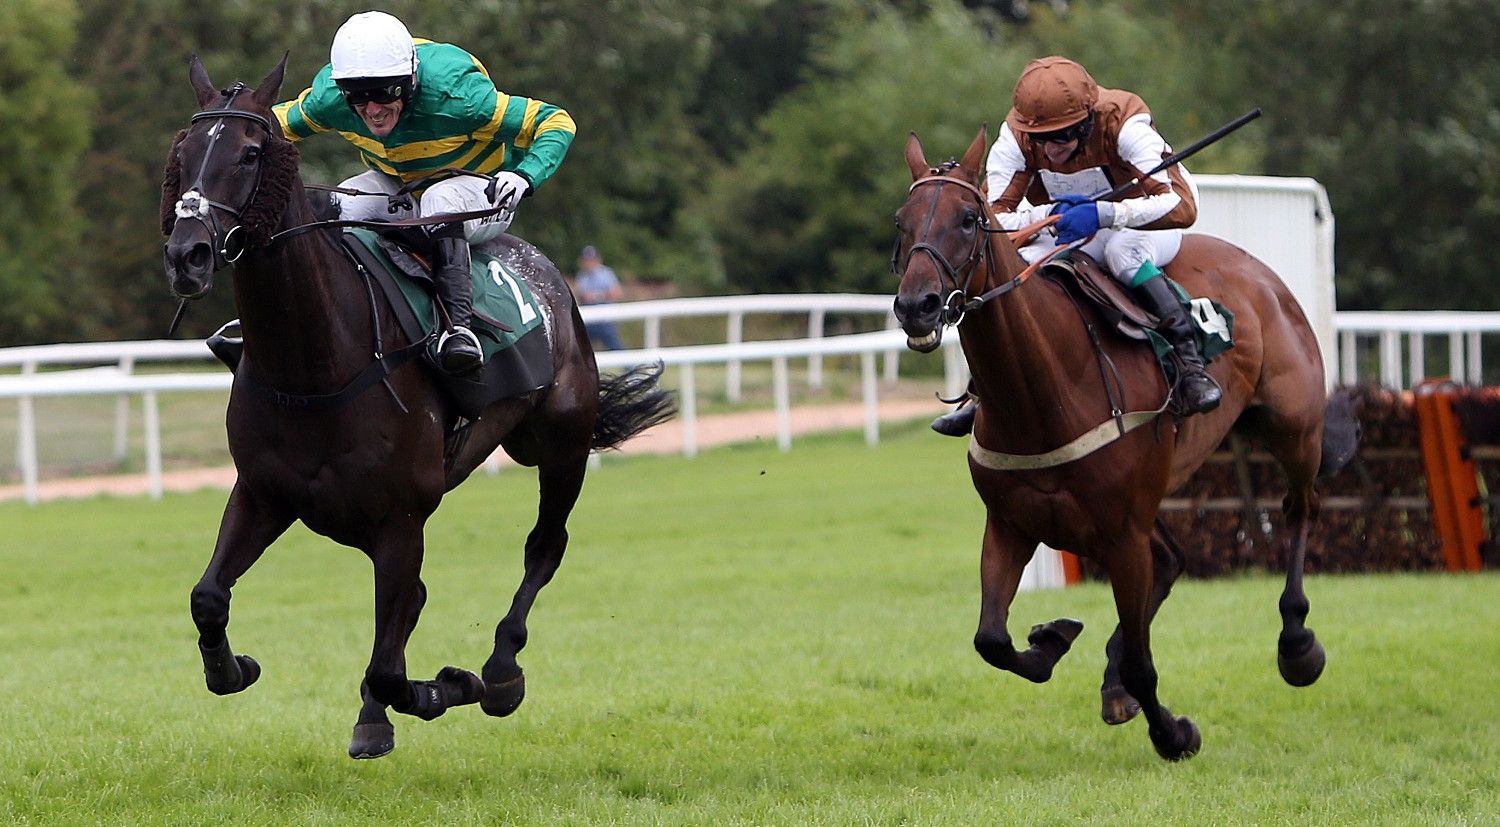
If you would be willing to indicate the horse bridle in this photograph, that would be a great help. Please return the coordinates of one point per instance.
(196, 206)
(959, 302)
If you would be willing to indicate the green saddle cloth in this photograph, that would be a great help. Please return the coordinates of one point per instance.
(504, 309)
(1213, 326)
(508, 320)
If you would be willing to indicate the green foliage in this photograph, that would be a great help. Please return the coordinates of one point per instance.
(1394, 108)
(807, 205)
(43, 129)
(756, 145)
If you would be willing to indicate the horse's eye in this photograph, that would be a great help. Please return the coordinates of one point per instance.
(252, 154)
(970, 218)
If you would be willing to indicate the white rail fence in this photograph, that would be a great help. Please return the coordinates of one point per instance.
(109, 369)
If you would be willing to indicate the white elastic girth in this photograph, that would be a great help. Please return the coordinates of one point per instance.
(1091, 441)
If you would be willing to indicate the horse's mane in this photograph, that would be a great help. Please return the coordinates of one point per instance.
(278, 171)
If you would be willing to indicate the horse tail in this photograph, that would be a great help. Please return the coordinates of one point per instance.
(1341, 430)
(629, 403)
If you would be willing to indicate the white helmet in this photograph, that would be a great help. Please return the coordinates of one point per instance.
(372, 44)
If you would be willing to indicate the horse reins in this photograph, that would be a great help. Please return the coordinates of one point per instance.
(954, 313)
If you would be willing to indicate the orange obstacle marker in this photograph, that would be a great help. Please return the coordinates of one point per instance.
(1452, 482)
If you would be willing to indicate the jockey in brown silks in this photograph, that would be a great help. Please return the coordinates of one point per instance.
(1066, 142)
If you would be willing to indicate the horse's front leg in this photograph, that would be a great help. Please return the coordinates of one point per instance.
(1003, 558)
(399, 595)
(1299, 656)
(560, 482)
(1168, 560)
(1130, 575)
(248, 527)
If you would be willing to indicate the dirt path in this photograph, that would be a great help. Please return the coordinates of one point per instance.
(713, 431)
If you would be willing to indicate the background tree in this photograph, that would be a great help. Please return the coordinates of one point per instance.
(43, 130)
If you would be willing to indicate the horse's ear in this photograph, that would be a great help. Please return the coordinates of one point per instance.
(916, 159)
(270, 86)
(974, 159)
(201, 84)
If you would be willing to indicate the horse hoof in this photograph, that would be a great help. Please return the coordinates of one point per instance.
(460, 686)
(372, 740)
(1116, 706)
(1305, 668)
(248, 673)
(249, 670)
(501, 699)
(1063, 631)
(1188, 741)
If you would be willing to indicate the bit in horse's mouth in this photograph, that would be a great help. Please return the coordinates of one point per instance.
(926, 344)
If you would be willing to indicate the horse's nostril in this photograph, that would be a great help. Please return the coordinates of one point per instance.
(199, 256)
(930, 304)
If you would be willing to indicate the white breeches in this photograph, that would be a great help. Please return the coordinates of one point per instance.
(1122, 251)
(463, 193)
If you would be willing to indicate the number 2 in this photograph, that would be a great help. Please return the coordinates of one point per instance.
(502, 278)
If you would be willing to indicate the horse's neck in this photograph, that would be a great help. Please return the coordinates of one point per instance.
(1033, 365)
(303, 310)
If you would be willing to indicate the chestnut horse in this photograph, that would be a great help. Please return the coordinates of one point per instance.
(1039, 381)
(366, 449)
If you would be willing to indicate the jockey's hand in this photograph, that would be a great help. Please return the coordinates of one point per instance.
(1064, 202)
(1078, 221)
(510, 184)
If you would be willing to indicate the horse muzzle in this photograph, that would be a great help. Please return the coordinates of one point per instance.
(190, 268)
(921, 319)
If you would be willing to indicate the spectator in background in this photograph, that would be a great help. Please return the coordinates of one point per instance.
(598, 284)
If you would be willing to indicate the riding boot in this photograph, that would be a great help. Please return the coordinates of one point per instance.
(1199, 392)
(959, 421)
(458, 348)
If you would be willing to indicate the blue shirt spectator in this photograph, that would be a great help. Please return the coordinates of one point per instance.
(598, 284)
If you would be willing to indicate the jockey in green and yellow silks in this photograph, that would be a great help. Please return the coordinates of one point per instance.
(412, 108)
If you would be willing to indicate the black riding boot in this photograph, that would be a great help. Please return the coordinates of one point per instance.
(1199, 392)
(458, 348)
(959, 421)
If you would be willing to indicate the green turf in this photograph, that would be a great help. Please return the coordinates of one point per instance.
(749, 637)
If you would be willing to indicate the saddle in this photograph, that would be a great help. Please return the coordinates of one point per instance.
(1213, 324)
(1105, 293)
(511, 328)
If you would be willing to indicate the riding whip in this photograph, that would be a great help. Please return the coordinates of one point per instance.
(1179, 157)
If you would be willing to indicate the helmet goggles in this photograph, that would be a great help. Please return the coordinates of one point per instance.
(360, 91)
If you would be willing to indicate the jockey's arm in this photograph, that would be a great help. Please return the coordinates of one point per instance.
(1169, 201)
(1007, 178)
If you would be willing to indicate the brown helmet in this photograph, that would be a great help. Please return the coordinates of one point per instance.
(1052, 93)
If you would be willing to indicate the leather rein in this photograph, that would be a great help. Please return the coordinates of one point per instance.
(959, 302)
(193, 205)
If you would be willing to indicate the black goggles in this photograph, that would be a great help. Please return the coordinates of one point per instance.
(376, 94)
(1075, 132)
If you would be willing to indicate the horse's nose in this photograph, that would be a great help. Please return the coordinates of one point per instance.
(918, 315)
(189, 266)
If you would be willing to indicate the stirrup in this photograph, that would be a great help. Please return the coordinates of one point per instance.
(959, 422)
(466, 354)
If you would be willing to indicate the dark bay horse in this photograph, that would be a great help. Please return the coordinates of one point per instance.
(369, 470)
(1039, 380)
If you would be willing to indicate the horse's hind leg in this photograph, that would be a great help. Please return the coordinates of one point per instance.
(1002, 560)
(247, 529)
(1299, 655)
(1116, 706)
(560, 483)
(1296, 445)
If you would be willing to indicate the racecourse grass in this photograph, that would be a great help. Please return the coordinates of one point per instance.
(749, 637)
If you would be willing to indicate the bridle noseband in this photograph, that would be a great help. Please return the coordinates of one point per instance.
(194, 205)
(959, 301)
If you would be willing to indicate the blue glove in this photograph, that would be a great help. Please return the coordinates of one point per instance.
(1065, 201)
(1078, 221)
